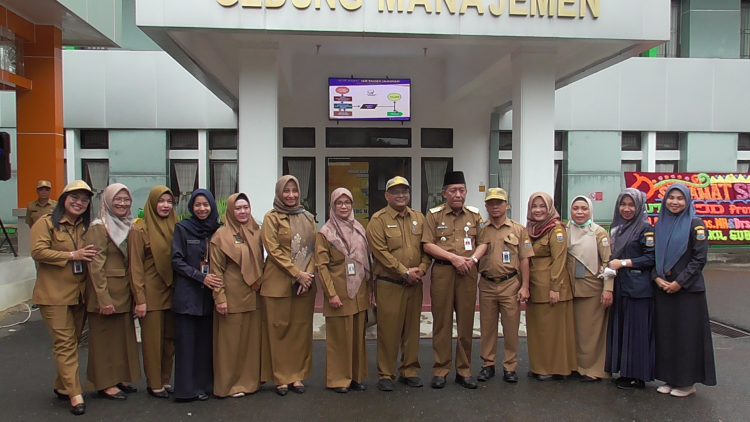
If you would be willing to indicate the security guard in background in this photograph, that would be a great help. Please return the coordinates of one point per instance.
(43, 205)
(503, 284)
(395, 235)
(450, 237)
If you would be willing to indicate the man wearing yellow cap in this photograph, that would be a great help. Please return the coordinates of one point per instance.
(503, 284)
(43, 205)
(394, 234)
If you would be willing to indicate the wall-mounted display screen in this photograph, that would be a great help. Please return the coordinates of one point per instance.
(369, 99)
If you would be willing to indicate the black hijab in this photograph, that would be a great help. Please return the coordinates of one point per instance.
(625, 231)
(202, 229)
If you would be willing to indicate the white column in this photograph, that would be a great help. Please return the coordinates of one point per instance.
(648, 146)
(203, 159)
(72, 145)
(259, 127)
(533, 128)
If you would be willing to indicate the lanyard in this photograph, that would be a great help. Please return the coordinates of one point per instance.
(72, 238)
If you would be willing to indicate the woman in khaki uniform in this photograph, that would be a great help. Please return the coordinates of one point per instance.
(150, 246)
(342, 258)
(59, 248)
(288, 289)
(549, 316)
(113, 351)
(237, 258)
(593, 282)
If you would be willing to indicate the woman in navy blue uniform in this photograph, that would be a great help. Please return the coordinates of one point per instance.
(684, 350)
(630, 342)
(193, 302)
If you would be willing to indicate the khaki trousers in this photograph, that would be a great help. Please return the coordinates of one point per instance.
(499, 299)
(65, 324)
(157, 343)
(451, 292)
(346, 355)
(399, 314)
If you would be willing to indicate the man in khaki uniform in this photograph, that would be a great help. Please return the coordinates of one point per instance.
(43, 205)
(450, 237)
(503, 283)
(394, 234)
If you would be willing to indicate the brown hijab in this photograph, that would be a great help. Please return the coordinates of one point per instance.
(301, 222)
(348, 236)
(160, 231)
(241, 242)
(538, 229)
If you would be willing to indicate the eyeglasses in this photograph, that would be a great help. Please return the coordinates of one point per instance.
(122, 201)
(342, 204)
(81, 199)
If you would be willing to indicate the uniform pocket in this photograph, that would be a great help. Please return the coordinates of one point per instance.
(116, 272)
(393, 239)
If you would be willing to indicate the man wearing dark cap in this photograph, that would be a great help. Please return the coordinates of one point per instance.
(43, 205)
(394, 234)
(503, 284)
(450, 237)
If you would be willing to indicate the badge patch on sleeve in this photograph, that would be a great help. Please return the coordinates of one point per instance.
(700, 233)
(527, 244)
(649, 240)
(605, 241)
(559, 235)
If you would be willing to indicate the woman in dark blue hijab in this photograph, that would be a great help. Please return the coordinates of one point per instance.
(684, 350)
(192, 302)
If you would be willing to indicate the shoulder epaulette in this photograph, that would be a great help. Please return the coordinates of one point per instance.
(475, 210)
(437, 209)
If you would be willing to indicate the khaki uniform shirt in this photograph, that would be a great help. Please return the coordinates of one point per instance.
(509, 236)
(50, 247)
(35, 211)
(236, 293)
(548, 266)
(447, 229)
(331, 265)
(279, 272)
(147, 285)
(395, 242)
(109, 280)
(591, 285)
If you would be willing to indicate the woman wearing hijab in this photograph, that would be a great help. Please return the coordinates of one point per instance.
(342, 258)
(288, 287)
(193, 304)
(237, 258)
(114, 362)
(684, 349)
(630, 342)
(549, 316)
(592, 282)
(150, 245)
(60, 250)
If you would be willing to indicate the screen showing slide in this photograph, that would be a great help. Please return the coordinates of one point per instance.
(369, 99)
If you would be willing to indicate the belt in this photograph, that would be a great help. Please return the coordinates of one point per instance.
(500, 279)
(442, 262)
(390, 280)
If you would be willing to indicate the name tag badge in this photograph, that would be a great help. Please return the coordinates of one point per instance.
(77, 267)
(414, 227)
(506, 257)
(193, 242)
(238, 240)
(467, 244)
(204, 267)
(350, 269)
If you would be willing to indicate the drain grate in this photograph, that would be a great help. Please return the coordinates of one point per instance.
(727, 331)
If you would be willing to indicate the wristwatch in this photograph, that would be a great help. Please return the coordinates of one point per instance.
(624, 263)
(474, 258)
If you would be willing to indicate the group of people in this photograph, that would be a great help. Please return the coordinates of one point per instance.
(230, 306)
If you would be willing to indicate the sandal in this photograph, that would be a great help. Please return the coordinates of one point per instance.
(282, 390)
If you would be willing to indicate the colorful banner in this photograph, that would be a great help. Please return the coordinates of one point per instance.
(722, 200)
(355, 176)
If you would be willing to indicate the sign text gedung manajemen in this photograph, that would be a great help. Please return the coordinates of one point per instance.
(496, 8)
(722, 200)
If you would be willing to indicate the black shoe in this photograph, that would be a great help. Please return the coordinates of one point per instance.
(540, 377)
(438, 382)
(282, 390)
(128, 389)
(355, 386)
(413, 382)
(202, 397)
(163, 394)
(629, 383)
(466, 382)
(298, 390)
(510, 376)
(486, 373)
(169, 389)
(341, 390)
(385, 384)
(60, 396)
(587, 378)
(117, 396)
(78, 409)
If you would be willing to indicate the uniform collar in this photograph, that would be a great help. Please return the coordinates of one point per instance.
(449, 210)
(66, 220)
(393, 213)
(505, 223)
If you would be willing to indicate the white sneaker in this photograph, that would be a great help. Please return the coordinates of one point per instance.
(664, 389)
(682, 392)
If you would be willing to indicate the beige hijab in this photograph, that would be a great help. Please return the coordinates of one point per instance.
(348, 236)
(117, 228)
(241, 242)
(301, 222)
(582, 238)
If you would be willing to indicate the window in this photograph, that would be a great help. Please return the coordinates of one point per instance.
(303, 168)
(94, 139)
(504, 178)
(667, 141)
(224, 175)
(743, 167)
(666, 166)
(183, 139)
(560, 139)
(183, 180)
(298, 137)
(222, 139)
(506, 140)
(745, 30)
(373, 137)
(743, 142)
(437, 138)
(96, 174)
(630, 165)
(433, 173)
(631, 141)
